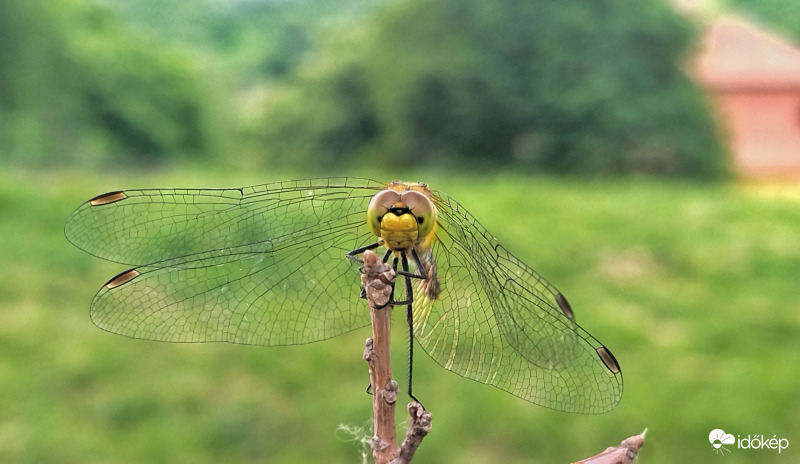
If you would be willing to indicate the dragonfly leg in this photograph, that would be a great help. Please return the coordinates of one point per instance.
(408, 275)
(353, 254)
(421, 274)
(420, 268)
(410, 321)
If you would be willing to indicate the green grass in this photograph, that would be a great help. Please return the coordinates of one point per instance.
(693, 287)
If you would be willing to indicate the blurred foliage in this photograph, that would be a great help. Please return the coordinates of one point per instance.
(692, 285)
(593, 88)
(76, 84)
(252, 40)
(590, 87)
(782, 14)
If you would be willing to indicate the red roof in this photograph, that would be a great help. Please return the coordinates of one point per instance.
(737, 54)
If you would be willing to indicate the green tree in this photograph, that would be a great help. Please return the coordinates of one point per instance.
(591, 87)
(782, 14)
(76, 84)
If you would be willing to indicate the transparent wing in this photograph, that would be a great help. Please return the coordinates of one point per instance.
(265, 265)
(258, 265)
(499, 322)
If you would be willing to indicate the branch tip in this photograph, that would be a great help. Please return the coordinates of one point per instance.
(625, 453)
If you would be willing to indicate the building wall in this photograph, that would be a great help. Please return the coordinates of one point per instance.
(764, 130)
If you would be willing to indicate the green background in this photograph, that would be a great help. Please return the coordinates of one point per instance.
(687, 274)
(693, 287)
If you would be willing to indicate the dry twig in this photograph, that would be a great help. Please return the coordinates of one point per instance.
(625, 453)
(377, 279)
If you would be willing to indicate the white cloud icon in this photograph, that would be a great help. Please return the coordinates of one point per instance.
(718, 437)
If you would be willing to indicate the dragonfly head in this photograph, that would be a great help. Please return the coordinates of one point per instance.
(401, 218)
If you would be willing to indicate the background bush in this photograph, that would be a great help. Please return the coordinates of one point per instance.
(77, 85)
(594, 88)
(585, 87)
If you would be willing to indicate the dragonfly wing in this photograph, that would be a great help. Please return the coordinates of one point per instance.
(268, 268)
(145, 226)
(499, 322)
(269, 293)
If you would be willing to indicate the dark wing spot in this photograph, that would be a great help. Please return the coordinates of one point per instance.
(608, 359)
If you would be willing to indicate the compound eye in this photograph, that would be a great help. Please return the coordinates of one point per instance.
(422, 208)
(378, 206)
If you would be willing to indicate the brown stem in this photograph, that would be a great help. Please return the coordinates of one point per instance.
(377, 279)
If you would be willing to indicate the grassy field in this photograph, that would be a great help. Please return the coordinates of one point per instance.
(695, 289)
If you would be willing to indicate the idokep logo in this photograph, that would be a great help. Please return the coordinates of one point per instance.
(719, 439)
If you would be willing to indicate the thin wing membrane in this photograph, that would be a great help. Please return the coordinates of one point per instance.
(265, 265)
(499, 322)
(146, 226)
(260, 265)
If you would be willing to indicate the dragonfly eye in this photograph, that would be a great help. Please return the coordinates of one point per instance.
(422, 208)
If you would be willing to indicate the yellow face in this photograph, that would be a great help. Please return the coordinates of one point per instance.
(401, 215)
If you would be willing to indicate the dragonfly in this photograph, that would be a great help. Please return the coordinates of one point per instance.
(268, 265)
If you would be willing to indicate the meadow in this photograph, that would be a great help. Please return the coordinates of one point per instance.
(693, 286)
